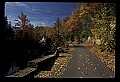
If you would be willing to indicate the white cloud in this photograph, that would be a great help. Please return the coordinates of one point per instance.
(17, 4)
(34, 9)
(12, 18)
(22, 4)
(12, 3)
(39, 23)
(43, 23)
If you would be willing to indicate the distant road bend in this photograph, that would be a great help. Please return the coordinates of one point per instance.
(84, 64)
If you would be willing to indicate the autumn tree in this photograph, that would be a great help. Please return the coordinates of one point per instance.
(101, 16)
(22, 24)
(97, 20)
(75, 25)
(30, 31)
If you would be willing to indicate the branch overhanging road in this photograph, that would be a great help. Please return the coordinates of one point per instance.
(84, 64)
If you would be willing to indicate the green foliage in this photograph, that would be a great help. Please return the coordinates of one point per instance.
(58, 25)
(104, 27)
(97, 20)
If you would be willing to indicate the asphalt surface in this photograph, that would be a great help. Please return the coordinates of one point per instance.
(84, 64)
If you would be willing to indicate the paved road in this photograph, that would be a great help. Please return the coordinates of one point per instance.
(85, 64)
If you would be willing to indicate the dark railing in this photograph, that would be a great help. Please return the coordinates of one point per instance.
(33, 65)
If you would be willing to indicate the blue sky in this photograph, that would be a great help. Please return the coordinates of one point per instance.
(39, 13)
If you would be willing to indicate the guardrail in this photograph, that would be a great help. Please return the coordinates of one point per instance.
(34, 63)
(32, 66)
(22, 73)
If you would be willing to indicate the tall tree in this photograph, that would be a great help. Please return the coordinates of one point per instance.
(58, 25)
(102, 16)
(8, 29)
(23, 24)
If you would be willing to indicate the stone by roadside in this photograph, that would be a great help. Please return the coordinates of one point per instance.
(59, 66)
